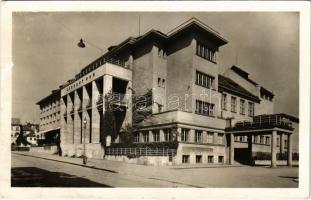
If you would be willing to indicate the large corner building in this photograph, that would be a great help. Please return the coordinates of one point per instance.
(213, 118)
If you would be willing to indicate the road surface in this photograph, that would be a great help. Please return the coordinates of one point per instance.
(32, 170)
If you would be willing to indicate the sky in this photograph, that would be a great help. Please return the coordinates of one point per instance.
(46, 55)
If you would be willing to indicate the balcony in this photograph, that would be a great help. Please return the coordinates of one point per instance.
(265, 122)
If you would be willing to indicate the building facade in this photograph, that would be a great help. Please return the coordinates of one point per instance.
(15, 129)
(49, 126)
(168, 88)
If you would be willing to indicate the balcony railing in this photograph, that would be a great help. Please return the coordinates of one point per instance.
(265, 121)
(65, 114)
(72, 110)
(140, 151)
(89, 104)
(80, 108)
(114, 99)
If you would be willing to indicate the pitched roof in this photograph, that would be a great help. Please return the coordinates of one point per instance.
(228, 85)
(243, 74)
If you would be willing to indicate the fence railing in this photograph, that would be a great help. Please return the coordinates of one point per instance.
(140, 151)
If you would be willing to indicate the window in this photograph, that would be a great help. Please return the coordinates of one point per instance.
(198, 159)
(198, 136)
(210, 159)
(233, 104)
(167, 135)
(220, 138)
(185, 158)
(146, 136)
(136, 137)
(267, 140)
(277, 142)
(262, 139)
(242, 106)
(205, 80)
(163, 83)
(220, 159)
(184, 134)
(250, 109)
(236, 138)
(205, 52)
(210, 137)
(159, 82)
(204, 108)
(156, 135)
(224, 102)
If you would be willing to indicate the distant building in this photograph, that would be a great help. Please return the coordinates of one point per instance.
(30, 132)
(169, 88)
(49, 125)
(15, 129)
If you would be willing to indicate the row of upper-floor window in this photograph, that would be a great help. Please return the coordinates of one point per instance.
(198, 137)
(50, 107)
(266, 97)
(205, 80)
(80, 82)
(233, 105)
(260, 139)
(168, 136)
(205, 52)
(49, 123)
(51, 116)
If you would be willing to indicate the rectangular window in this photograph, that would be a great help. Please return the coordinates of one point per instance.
(220, 159)
(198, 136)
(185, 158)
(262, 139)
(210, 137)
(267, 140)
(205, 80)
(242, 106)
(256, 139)
(167, 135)
(204, 108)
(278, 142)
(198, 159)
(184, 135)
(236, 138)
(136, 137)
(251, 109)
(224, 102)
(156, 135)
(146, 136)
(210, 159)
(233, 104)
(205, 52)
(220, 138)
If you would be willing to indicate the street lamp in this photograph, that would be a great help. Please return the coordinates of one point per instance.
(84, 156)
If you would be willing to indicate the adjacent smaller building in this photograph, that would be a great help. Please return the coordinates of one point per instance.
(15, 129)
(49, 126)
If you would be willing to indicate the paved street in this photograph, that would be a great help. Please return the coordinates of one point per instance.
(42, 170)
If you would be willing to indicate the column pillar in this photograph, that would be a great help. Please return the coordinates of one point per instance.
(95, 114)
(290, 150)
(273, 148)
(70, 132)
(150, 136)
(178, 134)
(77, 119)
(250, 147)
(63, 121)
(162, 138)
(191, 135)
(204, 137)
(231, 149)
(86, 115)
(107, 87)
(215, 138)
(281, 144)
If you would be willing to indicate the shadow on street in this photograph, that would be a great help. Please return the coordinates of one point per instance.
(35, 177)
